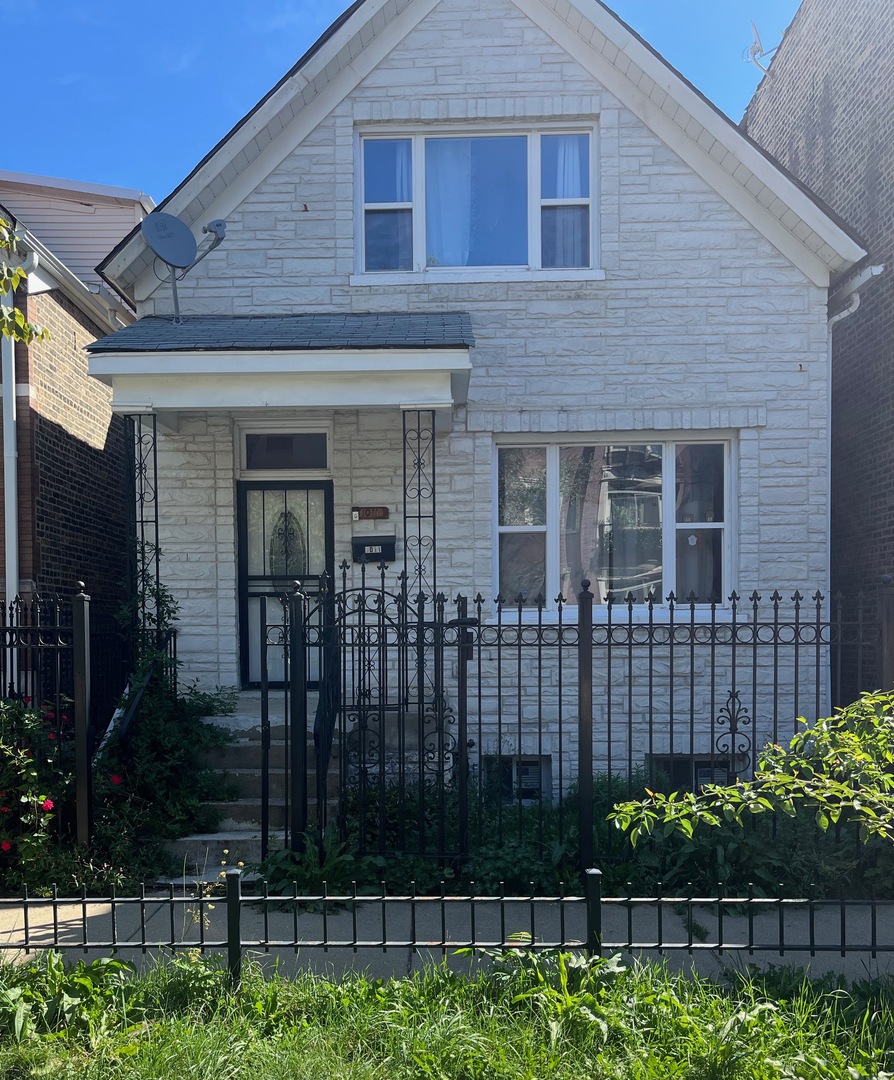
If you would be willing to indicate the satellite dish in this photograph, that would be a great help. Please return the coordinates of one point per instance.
(170, 239)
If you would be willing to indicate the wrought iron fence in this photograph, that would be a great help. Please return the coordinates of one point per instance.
(440, 924)
(443, 724)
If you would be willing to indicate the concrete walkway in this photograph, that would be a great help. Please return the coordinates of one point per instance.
(292, 936)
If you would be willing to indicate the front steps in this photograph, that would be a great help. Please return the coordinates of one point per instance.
(203, 856)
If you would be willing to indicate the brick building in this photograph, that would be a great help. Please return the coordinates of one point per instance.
(64, 457)
(826, 111)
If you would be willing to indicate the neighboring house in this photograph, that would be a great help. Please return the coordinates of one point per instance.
(491, 266)
(826, 111)
(66, 515)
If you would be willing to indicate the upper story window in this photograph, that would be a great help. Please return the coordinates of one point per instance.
(633, 518)
(490, 201)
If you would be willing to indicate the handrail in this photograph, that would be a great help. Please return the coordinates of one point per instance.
(123, 717)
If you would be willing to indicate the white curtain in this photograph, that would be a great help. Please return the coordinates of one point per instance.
(570, 223)
(448, 201)
(403, 172)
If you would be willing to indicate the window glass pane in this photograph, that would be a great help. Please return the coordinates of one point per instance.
(522, 483)
(700, 482)
(565, 236)
(610, 520)
(476, 201)
(286, 451)
(387, 171)
(389, 240)
(255, 540)
(522, 567)
(699, 565)
(564, 167)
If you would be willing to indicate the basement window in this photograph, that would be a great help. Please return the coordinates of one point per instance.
(516, 778)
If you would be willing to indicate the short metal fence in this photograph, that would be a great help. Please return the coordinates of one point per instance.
(443, 724)
(437, 925)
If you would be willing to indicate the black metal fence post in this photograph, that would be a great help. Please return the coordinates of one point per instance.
(593, 896)
(463, 655)
(585, 724)
(82, 718)
(234, 924)
(297, 719)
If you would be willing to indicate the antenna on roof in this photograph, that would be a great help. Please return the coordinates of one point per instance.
(756, 52)
(174, 243)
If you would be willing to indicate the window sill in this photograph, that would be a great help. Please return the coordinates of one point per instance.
(473, 275)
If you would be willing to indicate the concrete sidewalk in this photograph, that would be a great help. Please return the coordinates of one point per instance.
(292, 936)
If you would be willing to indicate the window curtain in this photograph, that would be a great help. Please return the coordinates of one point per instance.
(403, 172)
(448, 201)
(571, 225)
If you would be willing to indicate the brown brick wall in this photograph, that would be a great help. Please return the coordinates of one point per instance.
(73, 521)
(827, 113)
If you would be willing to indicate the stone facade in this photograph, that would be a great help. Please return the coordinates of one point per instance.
(698, 325)
(827, 114)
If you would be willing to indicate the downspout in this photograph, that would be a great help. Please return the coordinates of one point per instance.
(10, 450)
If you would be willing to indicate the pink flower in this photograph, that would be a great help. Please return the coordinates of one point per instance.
(115, 778)
(6, 846)
(47, 805)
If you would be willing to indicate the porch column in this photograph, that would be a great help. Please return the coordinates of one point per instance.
(143, 479)
(420, 504)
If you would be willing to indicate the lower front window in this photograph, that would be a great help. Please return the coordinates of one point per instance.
(637, 520)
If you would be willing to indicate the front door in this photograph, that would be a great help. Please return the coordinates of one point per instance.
(285, 535)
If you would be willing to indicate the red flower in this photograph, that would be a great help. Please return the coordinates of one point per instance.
(26, 700)
(6, 846)
(47, 805)
(115, 778)
(49, 716)
(5, 810)
(51, 734)
(64, 718)
(2, 794)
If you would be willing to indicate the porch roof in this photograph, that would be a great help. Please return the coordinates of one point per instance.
(320, 360)
(419, 330)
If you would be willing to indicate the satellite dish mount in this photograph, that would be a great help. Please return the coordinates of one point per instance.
(173, 242)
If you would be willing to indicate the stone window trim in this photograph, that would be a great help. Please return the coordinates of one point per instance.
(407, 203)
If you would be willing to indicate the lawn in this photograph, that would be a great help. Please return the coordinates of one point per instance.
(520, 1016)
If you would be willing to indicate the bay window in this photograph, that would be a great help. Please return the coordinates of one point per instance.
(632, 518)
(446, 201)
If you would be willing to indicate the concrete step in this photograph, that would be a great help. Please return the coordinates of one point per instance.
(204, 856)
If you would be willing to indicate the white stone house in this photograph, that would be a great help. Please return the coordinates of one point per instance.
(515, 217)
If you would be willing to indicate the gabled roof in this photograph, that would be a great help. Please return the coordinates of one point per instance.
(223, 333)
(778, 206)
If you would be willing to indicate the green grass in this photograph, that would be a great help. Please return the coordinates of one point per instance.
(521, 1016)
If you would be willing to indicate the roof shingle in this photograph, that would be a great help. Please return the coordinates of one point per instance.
(204, 333)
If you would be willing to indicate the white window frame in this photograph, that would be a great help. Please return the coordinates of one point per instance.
(669, 523)
(532, 271)
(280, 427)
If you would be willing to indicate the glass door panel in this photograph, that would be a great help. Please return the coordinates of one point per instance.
(285, 536)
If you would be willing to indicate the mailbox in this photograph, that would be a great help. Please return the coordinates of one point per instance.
(373, 549)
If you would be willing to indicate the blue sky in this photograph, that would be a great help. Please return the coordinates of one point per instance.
(134, 95)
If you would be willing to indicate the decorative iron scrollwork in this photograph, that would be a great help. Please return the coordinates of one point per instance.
(732, 741)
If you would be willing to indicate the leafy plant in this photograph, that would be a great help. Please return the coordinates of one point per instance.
(840, 771)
